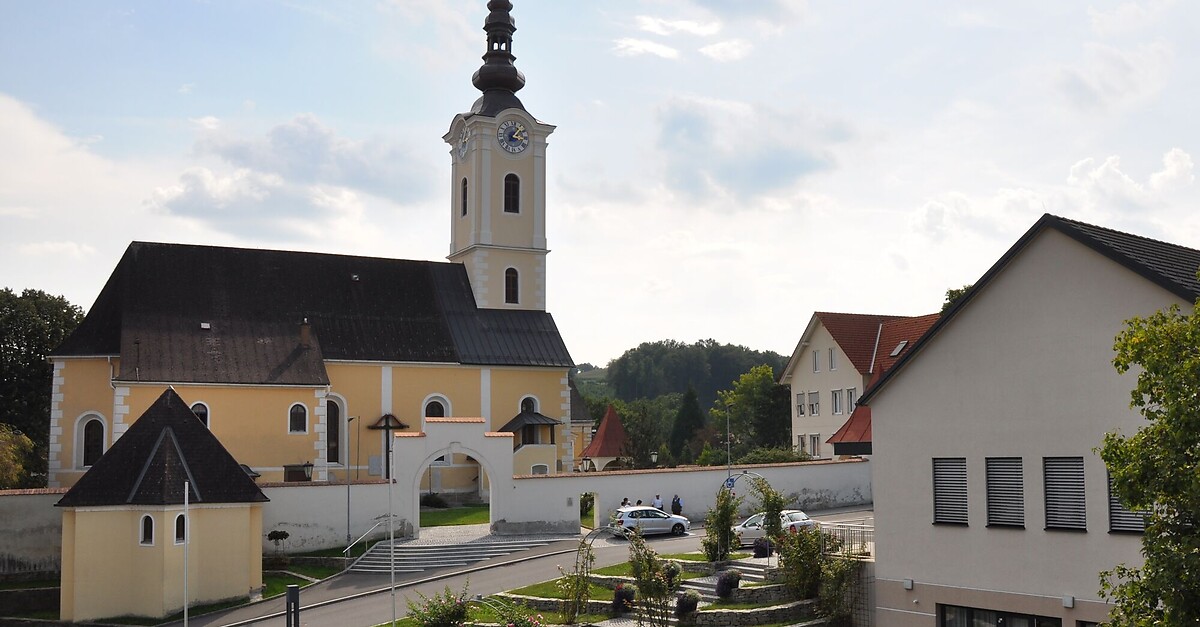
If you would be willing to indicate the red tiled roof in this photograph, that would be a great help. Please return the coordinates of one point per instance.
(855, 334)
(610, 437)
(856, 429)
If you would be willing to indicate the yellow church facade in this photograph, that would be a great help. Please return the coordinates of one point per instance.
(300, 363)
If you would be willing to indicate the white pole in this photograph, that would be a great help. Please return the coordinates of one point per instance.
(187, 539)
(391, 524)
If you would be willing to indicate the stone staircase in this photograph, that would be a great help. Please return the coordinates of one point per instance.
(411, 558)
(707, 586)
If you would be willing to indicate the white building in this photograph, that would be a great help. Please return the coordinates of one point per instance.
(992, 506)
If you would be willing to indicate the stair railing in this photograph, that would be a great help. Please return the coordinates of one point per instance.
(346, 551)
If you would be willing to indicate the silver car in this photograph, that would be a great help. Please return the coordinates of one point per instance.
(752, 528)
(650, 520)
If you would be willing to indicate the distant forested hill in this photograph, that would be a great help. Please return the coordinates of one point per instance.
(665, 367)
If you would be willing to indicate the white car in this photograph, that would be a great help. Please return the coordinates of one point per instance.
(752, 528)
(650, 520)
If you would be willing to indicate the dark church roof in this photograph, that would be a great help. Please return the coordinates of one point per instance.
(162, 449)
(527, 418)
(206, 314)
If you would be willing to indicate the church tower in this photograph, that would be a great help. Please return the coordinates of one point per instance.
(498, 181)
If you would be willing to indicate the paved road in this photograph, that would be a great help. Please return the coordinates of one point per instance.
(370, 603)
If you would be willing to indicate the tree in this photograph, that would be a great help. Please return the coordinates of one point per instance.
(953, 294)
(759, 410)
(666, 367)
(15, 448)
(688, 421)
(31, 325)
(1157, 470)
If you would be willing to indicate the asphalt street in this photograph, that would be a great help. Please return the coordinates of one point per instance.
(355, 600)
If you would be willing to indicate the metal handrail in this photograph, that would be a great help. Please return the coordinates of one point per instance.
(346, 551)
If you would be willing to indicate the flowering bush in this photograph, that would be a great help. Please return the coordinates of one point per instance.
(516, 617)
(686, 603)
(727, 582)
(623, 597)
(440, 610)
(671, 571)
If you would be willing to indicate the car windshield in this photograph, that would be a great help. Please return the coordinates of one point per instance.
(796, 516)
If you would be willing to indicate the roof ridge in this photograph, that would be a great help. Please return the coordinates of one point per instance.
(1074, 222)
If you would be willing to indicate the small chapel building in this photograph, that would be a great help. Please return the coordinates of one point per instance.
(302, 363)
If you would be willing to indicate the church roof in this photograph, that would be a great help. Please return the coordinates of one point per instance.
(610, 437)
(162, 449)
(207, 314)
(527, 418)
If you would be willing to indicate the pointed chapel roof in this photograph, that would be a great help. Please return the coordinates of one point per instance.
(610, 437)
(165, 447)
(1170, 266)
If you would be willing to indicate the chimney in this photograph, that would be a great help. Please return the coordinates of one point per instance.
(305, 334)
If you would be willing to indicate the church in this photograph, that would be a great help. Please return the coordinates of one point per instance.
(301, 363)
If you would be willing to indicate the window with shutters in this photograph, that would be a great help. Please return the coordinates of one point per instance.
(1120, 518)
(1066, 507)
(814, 403)
(950, 490)
(800, 404)
(1005, 492)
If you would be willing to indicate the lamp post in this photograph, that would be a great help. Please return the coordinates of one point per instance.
(307, 468)
(585, 463)
(347, 456)
(389, 423)
(728, 456)
(654, 458)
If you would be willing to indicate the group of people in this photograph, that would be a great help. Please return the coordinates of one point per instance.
(657, 502)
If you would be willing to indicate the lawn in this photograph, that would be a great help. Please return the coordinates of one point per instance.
(626, 570)
(550, 590)
(316, 572)
(24, 585)
(699, 557)
(471, 515)
(275, 584)
(481, 613)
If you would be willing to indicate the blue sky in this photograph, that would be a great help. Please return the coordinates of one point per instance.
(719, 170)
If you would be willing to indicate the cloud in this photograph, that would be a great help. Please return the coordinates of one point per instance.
(186, 88)
(306, 151)
(1127, 17)
(629, 47)
(1107, 186)
(1112, 77)
(74, 250)
(731, 50)
(208, 122)
(660, 26)
(716, 148)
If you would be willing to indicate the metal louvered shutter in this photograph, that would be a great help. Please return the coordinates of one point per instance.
(950, 490)
(1121, 519)
(1065, 503)
(1005, 491)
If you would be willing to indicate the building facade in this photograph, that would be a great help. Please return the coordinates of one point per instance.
(302, 363)
(991, 502)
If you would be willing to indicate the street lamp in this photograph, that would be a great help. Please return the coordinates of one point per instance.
(654, 457)
(389, 423)
(728, 456)
(585, 463)
(307, 468)
(346, 456)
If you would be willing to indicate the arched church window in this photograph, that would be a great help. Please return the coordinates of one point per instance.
(512, 194)
(201, 411)
(93, 441)
(511, 286)
(435, 409)
(528, 405)
(298, 419)
(463, 200)
(146, 538)
(180, 529)
(333, 431)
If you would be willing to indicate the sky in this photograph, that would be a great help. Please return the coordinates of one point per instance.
(719, 169)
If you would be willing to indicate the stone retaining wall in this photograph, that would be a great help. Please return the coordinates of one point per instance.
(797, 610)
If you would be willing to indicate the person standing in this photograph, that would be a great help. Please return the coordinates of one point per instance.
(677, 505)
(657, 502)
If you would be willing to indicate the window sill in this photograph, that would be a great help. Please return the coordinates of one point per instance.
(1126, 532)
(1005, 526)
(947, 523)
(1065, 529)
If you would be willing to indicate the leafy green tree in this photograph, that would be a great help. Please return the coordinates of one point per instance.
(952, 296)
(1157, 470)
(771, 502)
(719, 538)
(31, 325)
(759, 410)
(668, 367)
(765, 455)
(688, 421)
(15, 448)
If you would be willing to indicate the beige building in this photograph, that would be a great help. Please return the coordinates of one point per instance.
(837, 357)
(300, 362)
(132, 543)
(991, 504)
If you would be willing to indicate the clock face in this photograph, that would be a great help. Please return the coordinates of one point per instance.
(512, 136)
(462, 143)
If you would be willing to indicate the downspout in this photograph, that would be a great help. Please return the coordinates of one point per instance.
(875, 351)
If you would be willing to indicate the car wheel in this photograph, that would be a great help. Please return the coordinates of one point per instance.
(677, 530)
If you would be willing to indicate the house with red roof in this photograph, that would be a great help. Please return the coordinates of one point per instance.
(839, 355)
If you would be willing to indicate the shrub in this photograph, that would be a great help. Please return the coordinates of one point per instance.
(765, 455)
(763, 547)
(712, 548)
(800, 558)
(718, 526)
(512, 615)
(433, 499)
(440, 610)
(686, 603)
(837, 597)
(671, 571)
(727, 582)
(623, 597)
